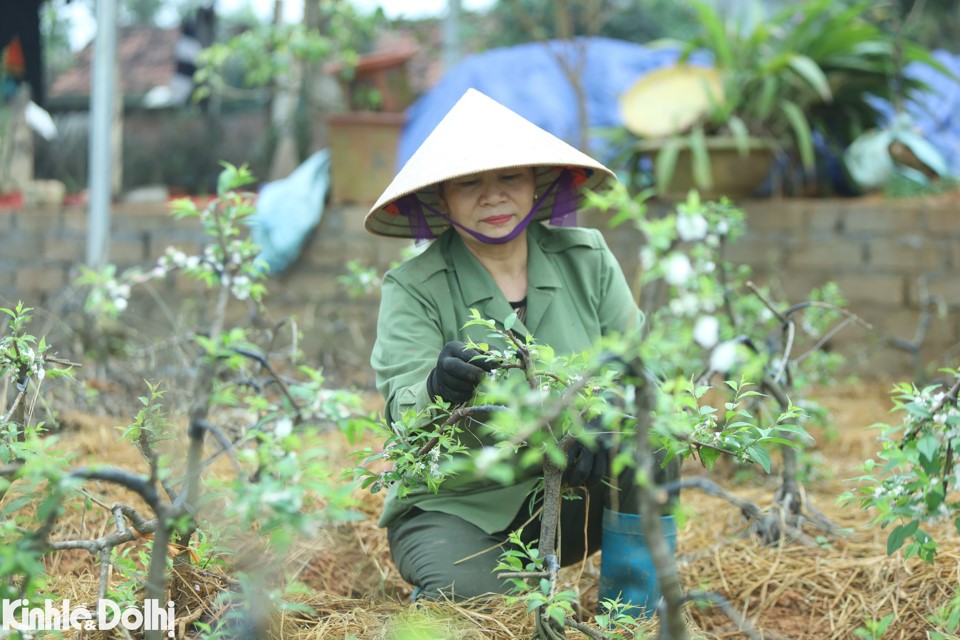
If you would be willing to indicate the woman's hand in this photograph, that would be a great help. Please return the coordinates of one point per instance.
(458, 372)
(587, 465)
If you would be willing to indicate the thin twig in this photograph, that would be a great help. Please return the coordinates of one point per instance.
(263, 362)
(830, 307)
(766, 301)
(455, 416)
(585, 629)
(823, 340)
(721, 603)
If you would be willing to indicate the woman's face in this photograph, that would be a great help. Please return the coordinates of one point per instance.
(491, 202)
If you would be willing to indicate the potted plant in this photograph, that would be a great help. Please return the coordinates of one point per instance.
(812, 71)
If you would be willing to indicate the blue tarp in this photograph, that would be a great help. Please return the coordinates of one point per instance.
(528, 79)
(287, 210)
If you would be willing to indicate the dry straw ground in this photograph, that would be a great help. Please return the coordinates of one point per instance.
(789, 591)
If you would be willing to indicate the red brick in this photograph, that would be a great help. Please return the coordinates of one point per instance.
(128, 249)
(903, 324)
(883, 218)
(827, 216)
(908, 254)
(65, 246)
(944, 220)
(75, 219)
(22, 247)
(40, 219)
(756, 252)
(777, 215)
(945, 286)
(121, 221)
(8, 221)
(790, 287)
(42, 279)
(827, 254)
(872, 288)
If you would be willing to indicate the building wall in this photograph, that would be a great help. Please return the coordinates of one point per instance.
(875, 249)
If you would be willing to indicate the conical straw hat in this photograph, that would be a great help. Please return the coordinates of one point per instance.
(480, 134)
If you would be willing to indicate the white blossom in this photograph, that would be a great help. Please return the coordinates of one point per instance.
(691, 226)
(724, 356)
(647, 258)
(486, 458)
(284, 427)
(707, 331)
(241, 287)
(678, 269)
(685, 305)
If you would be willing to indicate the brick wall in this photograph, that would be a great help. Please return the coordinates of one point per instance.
(874, 249)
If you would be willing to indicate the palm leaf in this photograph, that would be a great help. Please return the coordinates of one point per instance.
(741, 136)
(812, 74)
(801, 133)
(665, 164)
(715, 34)
(700, 159)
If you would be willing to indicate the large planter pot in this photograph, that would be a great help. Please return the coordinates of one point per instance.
(735, 174)
(363, 154)
(380, 81)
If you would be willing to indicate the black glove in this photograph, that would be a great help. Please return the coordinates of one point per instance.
(587, 464)
(457, 373)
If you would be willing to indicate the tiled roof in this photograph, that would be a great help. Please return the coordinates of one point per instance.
(145, 55)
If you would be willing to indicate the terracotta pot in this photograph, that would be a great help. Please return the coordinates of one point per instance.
(383, 73)
(363, 153)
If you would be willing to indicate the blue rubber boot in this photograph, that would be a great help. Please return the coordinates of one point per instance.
(626, 568)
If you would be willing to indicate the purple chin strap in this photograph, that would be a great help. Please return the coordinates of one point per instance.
(564, 213)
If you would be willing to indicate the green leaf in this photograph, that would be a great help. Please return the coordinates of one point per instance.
(760, 455)
(900, 534)
(709, 456)
(665, 164)
(812, 74)
(927, 447)
(510, 321)
(741, 136)
(717, 38)
(801, 133)
(700, 159)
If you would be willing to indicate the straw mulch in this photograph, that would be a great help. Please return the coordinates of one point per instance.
(793, 591)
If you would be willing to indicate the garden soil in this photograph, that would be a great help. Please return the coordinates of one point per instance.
(823, 591)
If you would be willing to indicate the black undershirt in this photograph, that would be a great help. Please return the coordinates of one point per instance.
(521, 308)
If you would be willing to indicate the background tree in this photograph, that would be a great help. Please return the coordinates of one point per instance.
(517, 21)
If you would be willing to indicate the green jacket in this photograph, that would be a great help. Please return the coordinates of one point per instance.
(576, 293)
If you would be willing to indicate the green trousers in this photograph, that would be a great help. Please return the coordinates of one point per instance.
(447, 556)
